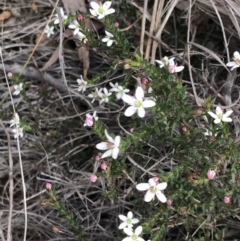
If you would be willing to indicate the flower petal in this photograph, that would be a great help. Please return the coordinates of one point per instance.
(139, 94)
(236, 55)
(227, 119)
(152, 182)
(230, 64)
(149, 196)
(108, 34)
(107, 153)
(161, 186)
(217, 121)
(109, 11)
(122, 217)
(102, 146)
(130, 111)
(117, 141)
(160, 63)
(143, 186)
(95, 6)
(179, 68)
(128, 231)
(93, 12)
(110, 42)
(129, 99)
(218, 111)
(135, 220)
(110, 139)
(161, 197)
(148, 103)
(213, 115)
(236, 66)
(141, 112)
(228, 113)
(127, 239)
(122, 225)
(130, 215)
(138, 230)
(115, 152)
(105, 39)
(107, 5)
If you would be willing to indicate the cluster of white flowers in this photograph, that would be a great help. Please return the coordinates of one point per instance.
(49, 30)
(127, 226)
(97, 10)
(15, 125)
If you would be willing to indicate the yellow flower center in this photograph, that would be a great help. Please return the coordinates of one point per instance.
(101, 10)
(152, 189)
(134, 237)
(137, 103)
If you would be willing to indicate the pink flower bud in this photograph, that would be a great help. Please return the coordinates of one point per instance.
(211, 138)
(97, 158)
(93, 178)
(169, 202)
(48, 186)
(144, 80)
(116, 24)
(104, 166)
(132, 130)
(211, 174)
(184, 129)
(43, 203)
(80, 17)
(226, 199)
(155, 179)
(9, 74)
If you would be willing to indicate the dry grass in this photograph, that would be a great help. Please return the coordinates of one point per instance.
(59, 149)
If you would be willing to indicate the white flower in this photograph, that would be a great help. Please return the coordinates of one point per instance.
(75, 25)
(17, 89)
(153, 188)
(63, 16)
(133, 236)
(236, 63)
(104, 96)
(82, 84)
(163, 62)
(169, 64)
(112, 146)
(127, 221)
(15, 121)
(18, 131)
(95, 95)
(219, 116)
(119, 90)
(108, 38)
(49, 31)
(137, 103)
(173, 68)
(101, 10)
